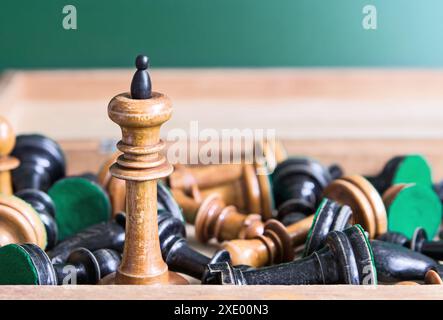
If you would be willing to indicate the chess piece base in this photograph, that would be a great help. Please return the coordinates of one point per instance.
(172, 279)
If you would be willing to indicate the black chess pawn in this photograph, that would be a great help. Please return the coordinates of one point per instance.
(176, 252)
(419, 243)
(396, 263)
(403, 169)
(109, 234)
(29, 264)
(298, 184)
(45, 208)
(42, 162)
(346, 258)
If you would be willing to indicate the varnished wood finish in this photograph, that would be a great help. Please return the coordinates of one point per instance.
(7, 162)
(215, 219)
(116, 188)
(197, 292)
(20, 223)
(276, 245)
(140, 166)
(366, 204)
(237, 184)
(432, 277)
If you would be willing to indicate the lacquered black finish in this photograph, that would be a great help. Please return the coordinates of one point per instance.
(345, 259)
(395, 237)
(383, 180)
(45, 271)
(396, 263)
(109, 235)
(298, 184)
(177, 253)
(141, 82)
(86, 267)
(44, 206)
(419, 243)
(335, 171)
(330, 216)
(42, 162)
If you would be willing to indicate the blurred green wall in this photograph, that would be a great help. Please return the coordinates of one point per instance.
(200, 33)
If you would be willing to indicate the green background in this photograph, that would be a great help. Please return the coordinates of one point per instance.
(201, 33)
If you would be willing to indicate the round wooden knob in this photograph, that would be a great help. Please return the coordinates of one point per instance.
(20, 223)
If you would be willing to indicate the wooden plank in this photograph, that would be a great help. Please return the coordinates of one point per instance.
(195, 292)
(297, 103)
(363, 156)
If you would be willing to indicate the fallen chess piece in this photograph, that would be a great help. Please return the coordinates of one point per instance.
(346, 258)
(411, 168)
(298, 185)
(29, 264)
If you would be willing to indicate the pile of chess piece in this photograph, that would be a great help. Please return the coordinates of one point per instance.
(291, 221)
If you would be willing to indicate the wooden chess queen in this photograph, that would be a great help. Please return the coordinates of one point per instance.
(140, 115)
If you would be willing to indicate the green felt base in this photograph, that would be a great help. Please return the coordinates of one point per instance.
(16, 266)
(79, 203)
(415, 206)
(413, 169)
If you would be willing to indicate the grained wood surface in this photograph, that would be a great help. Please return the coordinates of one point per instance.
(297, 103)
(357, 118)
(195, 292)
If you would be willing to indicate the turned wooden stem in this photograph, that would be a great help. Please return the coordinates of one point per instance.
(298, 231)
(215, 219)
(141, 165)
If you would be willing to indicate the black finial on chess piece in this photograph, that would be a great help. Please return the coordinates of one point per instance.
(141, 82)
(346, 258)
(298, 186)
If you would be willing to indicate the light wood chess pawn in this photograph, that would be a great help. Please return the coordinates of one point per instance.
(214, 219)
(7, 162)
(244, 185)
(140, 115)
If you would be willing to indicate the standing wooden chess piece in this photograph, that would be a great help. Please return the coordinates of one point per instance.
(7, 162)
(367, 206)
(140, 115)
